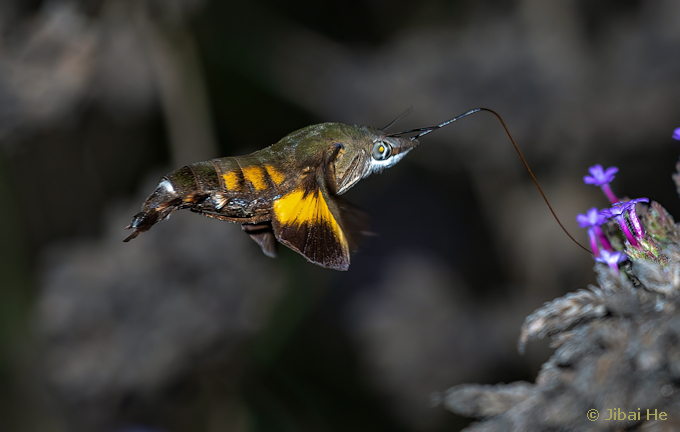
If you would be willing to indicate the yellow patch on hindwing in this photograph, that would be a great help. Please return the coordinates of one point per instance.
(296, 209)
(255, 175)
(309, 224)
(231, 180)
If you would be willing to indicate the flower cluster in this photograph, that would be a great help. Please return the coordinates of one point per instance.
(628, 322)
(635, 240)
(621, 211)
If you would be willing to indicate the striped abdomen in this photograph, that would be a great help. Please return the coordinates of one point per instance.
(235, 189)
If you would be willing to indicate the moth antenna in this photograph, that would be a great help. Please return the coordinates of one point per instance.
(406, 112)
(427, 130)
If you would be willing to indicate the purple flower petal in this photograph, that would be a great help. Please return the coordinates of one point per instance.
(676, 134)
(599, 176)
(627, 205)
(611, 258)
(592, 218)
(616, 210)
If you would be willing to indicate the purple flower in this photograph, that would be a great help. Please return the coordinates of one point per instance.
(676, 134)
(612, 258)
(592, 218)
(632, 215)
(601, 177)
(618, 211)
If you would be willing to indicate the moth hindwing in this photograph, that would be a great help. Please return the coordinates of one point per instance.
(309, 220)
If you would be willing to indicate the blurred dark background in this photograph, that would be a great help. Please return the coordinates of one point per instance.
(190, 327)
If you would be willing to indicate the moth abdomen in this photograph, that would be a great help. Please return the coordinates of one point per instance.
(183, 188)
(235, 189)
(248, 176)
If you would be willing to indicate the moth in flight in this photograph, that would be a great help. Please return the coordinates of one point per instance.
(288, 192)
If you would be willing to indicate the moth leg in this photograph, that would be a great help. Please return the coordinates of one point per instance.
(263, 234)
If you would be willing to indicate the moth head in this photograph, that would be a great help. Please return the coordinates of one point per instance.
(372, 152)
(387, 151)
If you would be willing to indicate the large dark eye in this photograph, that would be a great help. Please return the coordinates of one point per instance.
(381, 150)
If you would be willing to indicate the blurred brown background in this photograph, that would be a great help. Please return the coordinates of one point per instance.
(190, 327)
